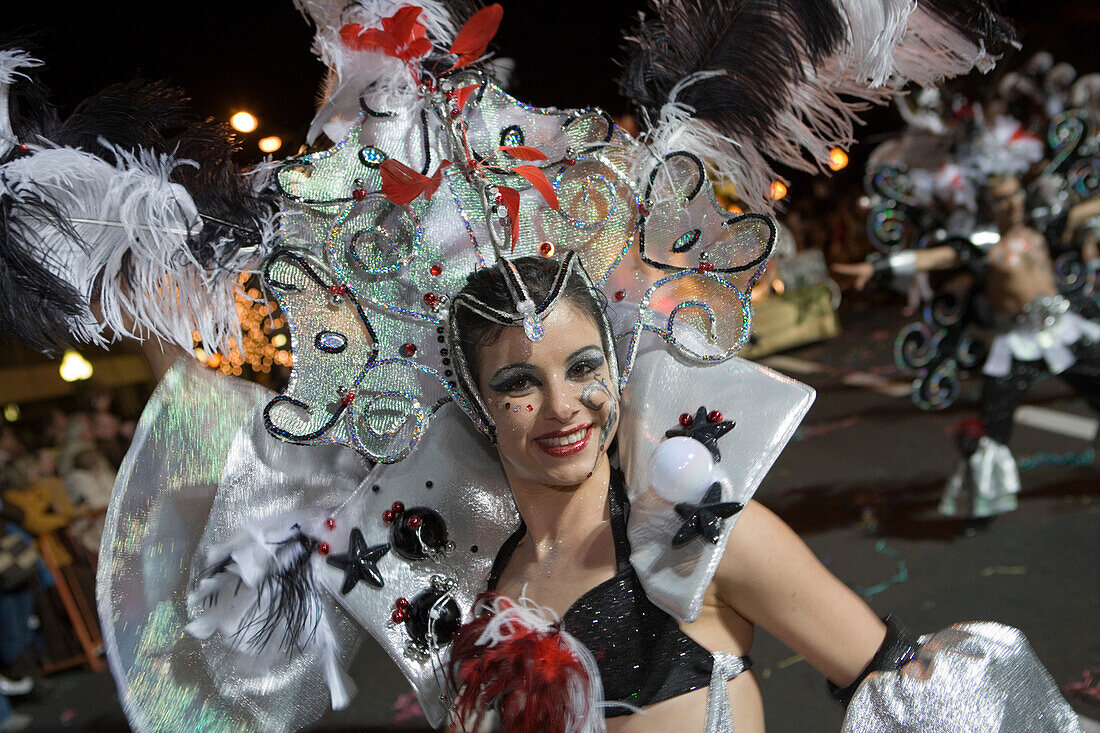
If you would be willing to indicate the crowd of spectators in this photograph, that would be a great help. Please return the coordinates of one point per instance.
(55, 484)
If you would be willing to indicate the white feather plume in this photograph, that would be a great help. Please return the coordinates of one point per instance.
(123, 245)
(11, 61)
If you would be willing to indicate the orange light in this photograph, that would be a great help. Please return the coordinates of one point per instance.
(271, 144)
(837, 159)
(779, 190)
(244, 122)
(735, 209)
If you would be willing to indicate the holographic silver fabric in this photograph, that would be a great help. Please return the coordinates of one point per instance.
(455, 472)
(969, 678)
(366, 284)
(201, 467)
(766, 407)
(719, 712)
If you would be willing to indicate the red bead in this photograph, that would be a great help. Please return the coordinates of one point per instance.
(620, 294)
(436, 270)
(499, 199)
(530, 408)
(546, 249)
(347, 399)
(323, 548)
(507, 405)
(414, 522)
(686, 420)
(431, 300)
(643, 210)
(569, 161)
(330, 523)
(714, 416)
(387, 516)
(408, 349)
(456, 113)
(705, 267)
(359, 194)
(397, 507)
(398, 616)
(338, 289)
(23, 148)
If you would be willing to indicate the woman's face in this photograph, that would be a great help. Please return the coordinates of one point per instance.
(552, 399)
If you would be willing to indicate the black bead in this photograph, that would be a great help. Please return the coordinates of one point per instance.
(431, 537)
(445, 619)
(440, 339)
(376, 488)
(446, 361)
(473, 548)
(447, 372)
(428, 484)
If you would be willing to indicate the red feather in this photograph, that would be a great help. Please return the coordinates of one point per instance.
(401, 35)
(474, 38)
(402, 185)
(510, 198)
(463, 94)
(524, 152)
(538, 180)
(525, 672)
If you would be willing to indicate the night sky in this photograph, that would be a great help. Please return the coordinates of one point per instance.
(254, 54)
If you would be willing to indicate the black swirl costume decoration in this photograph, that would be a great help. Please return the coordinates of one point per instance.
(930, 188)
(254, 538)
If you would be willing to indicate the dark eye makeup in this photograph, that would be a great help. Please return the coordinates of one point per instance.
(518, 377)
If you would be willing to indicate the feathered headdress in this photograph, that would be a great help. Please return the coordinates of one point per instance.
(746, 84)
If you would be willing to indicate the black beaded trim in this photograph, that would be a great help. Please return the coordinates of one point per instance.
(692, 239)
(733, 220)
(511, 128)
(292, 437)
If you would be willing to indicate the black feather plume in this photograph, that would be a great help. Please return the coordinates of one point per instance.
(759, 44)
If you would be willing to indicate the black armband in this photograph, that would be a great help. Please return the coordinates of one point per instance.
(898, 648)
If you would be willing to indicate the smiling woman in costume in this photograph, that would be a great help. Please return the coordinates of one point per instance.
(465, 416)
(555, 417)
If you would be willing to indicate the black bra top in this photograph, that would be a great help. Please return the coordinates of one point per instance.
(642, 654)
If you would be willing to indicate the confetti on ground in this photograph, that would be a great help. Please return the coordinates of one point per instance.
(1042, 459)
(1003, 570)
(824, 428)
(1089, 686)
(900, 576)
(789, 661)
(406, 707)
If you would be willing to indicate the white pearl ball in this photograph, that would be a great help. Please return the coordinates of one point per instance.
(680, 469)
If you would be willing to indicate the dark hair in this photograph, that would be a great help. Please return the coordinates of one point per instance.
(488, 286)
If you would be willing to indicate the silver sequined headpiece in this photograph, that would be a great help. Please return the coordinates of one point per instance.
(529, 314)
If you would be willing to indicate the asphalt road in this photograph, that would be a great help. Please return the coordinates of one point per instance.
(860, 483)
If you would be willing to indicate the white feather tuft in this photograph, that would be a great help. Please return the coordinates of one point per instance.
(11, 61)
(124, 246)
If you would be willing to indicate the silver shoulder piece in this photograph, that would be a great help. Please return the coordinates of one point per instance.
(429, 528)
(765, 408)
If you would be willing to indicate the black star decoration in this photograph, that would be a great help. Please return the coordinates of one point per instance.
(705, 518)
(359, 562)
(704, 430)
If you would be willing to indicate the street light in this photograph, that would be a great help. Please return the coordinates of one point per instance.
(271, 144)
(74, 367)
(243, 122)
(837, 159)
